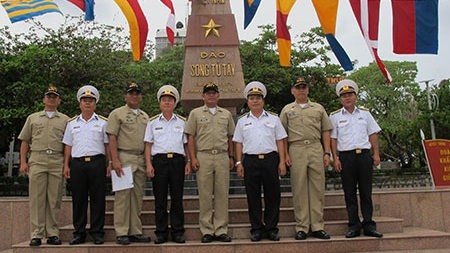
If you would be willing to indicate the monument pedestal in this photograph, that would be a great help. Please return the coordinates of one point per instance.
(212, 55)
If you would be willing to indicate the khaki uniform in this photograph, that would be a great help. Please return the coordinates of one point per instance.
(305, 127)
(44, 136)
(211, 134)
(129, 129)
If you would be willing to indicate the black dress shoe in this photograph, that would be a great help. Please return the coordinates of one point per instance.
(139, 238)
(160, 239)
(273, 236)
(122, 240)
(98, 240)
(373, 233)
(321, 234)
(77, 240)
(54, 240)
(207, 238)
(178, 238)
(300, 235)
(352, 233)
(223, 238)
(35, 242)
(255, 237)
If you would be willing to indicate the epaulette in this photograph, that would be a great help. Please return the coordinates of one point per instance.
(363, 108)
(74, 117)
(245, 114)
(275, 114)
(153, 117)
(337, 111)
(181, 117)
(103, 117)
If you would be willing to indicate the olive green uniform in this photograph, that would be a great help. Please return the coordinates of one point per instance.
(129, 130)
(304, 127)
(211, 133)
(44, 136)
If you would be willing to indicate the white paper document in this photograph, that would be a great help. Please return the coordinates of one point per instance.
(123, 182)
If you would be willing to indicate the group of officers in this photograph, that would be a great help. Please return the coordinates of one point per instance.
(166, 147)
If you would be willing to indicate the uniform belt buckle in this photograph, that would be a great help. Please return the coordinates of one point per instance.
(307, 142)
(169, 155)
(214, 151)
(87, 159)
(49, 151)
(358, 151)
(260, 157)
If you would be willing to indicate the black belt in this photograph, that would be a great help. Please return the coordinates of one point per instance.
(261, 156)
(357, 151)
(88, 159)
(168, 156)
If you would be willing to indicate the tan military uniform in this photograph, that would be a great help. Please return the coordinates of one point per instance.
(44, 136)
(305, 127)
(211, 134)
(129, 129)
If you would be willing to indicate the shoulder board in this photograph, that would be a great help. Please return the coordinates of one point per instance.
(74, 117)
(276, 114)
(243, 115)
(153, 117)
(181, 117)
(103, 117)
(363, 108)
(335, 112)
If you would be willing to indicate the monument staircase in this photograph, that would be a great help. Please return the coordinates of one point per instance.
(397, 235)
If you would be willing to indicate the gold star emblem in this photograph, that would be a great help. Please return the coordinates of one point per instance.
(212, 27)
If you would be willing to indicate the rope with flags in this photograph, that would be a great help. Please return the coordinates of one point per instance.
(367, 13)
(170, 25)
(25, 9)
(87, 6)
(282, 31)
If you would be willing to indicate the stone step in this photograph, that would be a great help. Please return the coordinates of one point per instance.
(238, 201)
(236, 215)
(409, 239)
(242, 230)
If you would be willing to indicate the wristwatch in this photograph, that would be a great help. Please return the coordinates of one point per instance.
(237, 163)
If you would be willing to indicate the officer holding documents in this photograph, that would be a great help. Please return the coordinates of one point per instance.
(260, 160)
(165, 158)
(126, 128)
(354, 134)
(86, 147)
(41, 158)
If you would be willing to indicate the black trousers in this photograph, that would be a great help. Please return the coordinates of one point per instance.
(262, 172)
(356, 175)
(88, 183)
(168, 179)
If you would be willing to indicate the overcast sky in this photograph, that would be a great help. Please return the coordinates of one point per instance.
(301, 19)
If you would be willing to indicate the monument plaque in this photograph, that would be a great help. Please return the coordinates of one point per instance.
(212, 55)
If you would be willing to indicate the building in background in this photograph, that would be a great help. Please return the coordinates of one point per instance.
(162, 44)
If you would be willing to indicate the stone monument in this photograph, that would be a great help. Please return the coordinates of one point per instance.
(212, 55)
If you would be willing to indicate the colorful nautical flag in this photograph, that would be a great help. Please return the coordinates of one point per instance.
(25, 9)
(170, 25)
(138, 26)
(282, 31)
(415, 26)
(87, 6)
(327, 11)
(367, 14)
(250, 8)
